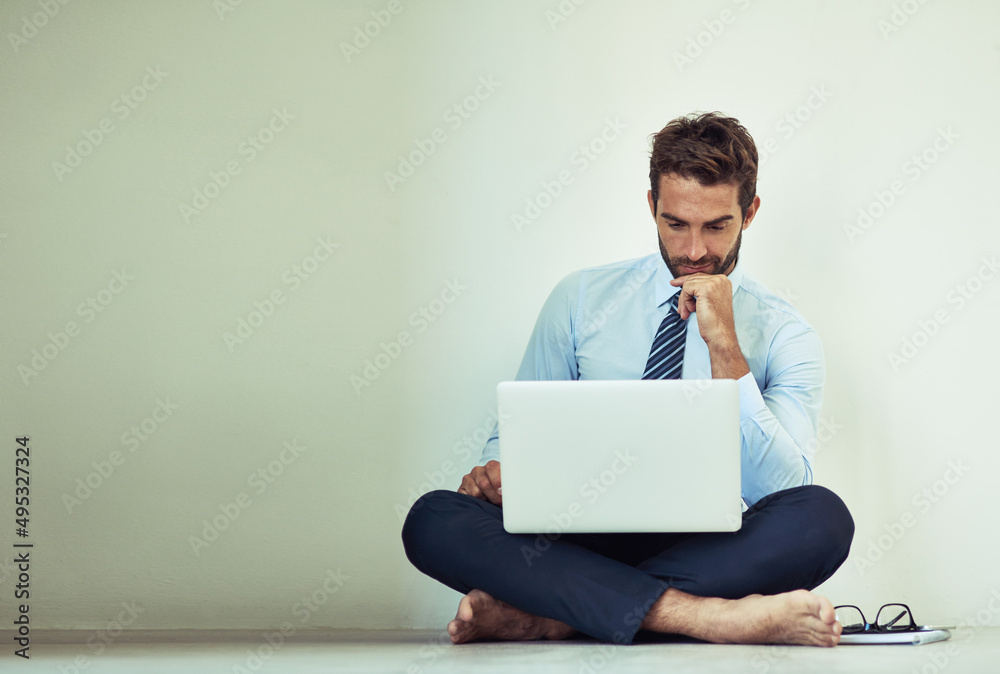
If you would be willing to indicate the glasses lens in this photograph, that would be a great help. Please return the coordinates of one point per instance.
(893, 617)
(850, 619)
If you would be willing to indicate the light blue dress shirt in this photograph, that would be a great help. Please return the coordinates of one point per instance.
(599, 323)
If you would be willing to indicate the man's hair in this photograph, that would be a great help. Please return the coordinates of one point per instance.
(709, 148)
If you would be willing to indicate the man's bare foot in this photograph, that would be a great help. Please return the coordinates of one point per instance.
(798, 617)
(480, 616)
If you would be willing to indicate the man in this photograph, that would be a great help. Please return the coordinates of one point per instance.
(690, 311)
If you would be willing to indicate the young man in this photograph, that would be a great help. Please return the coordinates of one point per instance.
(689, 312)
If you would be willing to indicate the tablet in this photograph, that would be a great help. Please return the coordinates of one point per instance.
(915, 637)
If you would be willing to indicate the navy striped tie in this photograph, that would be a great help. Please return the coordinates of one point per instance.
(666, 355)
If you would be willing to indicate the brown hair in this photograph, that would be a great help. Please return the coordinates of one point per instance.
(709, 148)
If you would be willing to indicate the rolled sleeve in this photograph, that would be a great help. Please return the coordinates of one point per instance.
(779, 423)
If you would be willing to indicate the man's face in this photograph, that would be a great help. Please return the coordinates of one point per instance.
(700, 228)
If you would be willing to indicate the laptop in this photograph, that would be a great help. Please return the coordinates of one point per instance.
(600, 456)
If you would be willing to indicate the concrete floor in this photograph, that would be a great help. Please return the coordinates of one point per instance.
(417, 651)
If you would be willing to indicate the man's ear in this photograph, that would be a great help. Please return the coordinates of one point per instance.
(751, 212)
(652, 206)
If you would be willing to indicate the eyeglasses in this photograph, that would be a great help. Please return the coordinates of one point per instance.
(890, 618)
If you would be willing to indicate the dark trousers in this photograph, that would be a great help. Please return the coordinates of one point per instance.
(604, 584)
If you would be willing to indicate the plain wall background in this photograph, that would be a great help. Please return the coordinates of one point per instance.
(894, 76)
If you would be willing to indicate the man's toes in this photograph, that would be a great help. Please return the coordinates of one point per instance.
(465, 605)
(458, 630)
(826, 611)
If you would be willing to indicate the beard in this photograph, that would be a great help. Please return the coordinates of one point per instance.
(717, 266)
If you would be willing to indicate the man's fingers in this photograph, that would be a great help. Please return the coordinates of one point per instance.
(477, 485)
(686, 304)
(483, 482)
(493, 472)
(486, 486)
(469, 487)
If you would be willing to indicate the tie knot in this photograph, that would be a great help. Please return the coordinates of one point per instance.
(675, 299)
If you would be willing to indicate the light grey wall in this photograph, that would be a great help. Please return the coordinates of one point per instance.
(843, 98)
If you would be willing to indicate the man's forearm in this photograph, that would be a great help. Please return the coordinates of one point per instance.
(727, 360)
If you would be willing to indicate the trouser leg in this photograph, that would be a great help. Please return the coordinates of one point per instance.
(460, 541)
(791, 539)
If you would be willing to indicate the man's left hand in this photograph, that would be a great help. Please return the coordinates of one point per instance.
(711, 295)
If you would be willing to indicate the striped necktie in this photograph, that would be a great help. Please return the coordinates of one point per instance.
(666, 355)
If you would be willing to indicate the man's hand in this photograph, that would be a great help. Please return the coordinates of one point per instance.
(711, 295)
(483, 482)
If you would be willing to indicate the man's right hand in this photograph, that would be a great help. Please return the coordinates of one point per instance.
(483, 482)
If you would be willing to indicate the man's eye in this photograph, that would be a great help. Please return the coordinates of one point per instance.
(674, 225)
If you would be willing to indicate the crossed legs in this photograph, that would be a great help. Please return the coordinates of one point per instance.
(744, 587)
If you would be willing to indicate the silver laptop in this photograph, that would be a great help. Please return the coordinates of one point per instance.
(620, 456)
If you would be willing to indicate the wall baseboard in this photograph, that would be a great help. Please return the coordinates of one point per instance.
(43, 636)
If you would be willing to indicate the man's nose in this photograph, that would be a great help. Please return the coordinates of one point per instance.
(695, 248)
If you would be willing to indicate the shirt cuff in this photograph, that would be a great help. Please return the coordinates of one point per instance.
(491, 452)
(751, 400)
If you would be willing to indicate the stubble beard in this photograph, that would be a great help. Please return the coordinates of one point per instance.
(718, 268)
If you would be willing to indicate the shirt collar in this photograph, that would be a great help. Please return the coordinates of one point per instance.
(664, 291)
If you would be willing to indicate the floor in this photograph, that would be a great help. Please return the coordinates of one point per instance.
(417, 651)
